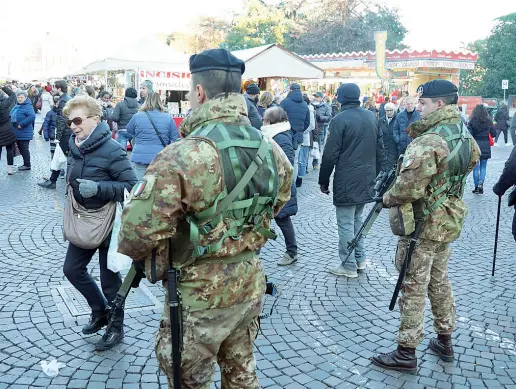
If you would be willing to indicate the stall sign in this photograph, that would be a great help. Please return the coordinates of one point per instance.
(179, 81)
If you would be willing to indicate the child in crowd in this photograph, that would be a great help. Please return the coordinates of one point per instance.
(49, 126)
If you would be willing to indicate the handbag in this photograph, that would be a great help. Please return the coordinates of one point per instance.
(16, 149)
(39, 103)
(155, 129)
(87, 228)
(491, 140)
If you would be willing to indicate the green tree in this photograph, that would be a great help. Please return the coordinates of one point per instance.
(472, 80)
(347, 27)
(496, 62)
(257, 25)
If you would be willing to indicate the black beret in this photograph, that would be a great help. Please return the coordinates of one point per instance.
(216, 59)
(437, 88)
(252, 89)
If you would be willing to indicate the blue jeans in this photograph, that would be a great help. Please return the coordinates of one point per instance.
(479, 172)
(304, 154)
(123, 137)
(349, 220)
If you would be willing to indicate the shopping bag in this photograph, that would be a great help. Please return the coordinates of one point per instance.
(16, 149)
(117, 262)
(59, 160)
(491, 140)
(315, 151)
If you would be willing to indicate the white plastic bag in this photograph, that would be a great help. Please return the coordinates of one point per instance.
(315, 151)
(51, 369)
(59, 160)
(115, 261)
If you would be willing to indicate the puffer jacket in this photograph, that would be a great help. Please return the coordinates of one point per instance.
(49, 125)
(501, 118)
(481, 136)
(7, 136)
(281, 134)
(298, 114)
(63, 132)
(147, 142)
(402, 122)
(355, 150)
(101, 159)
(124, 111)
(23, 115)
(252, 113)
(389, 144)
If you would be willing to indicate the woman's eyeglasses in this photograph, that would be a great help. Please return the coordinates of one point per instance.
(77, 121)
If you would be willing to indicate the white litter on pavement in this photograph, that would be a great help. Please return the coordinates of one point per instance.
(52, 369)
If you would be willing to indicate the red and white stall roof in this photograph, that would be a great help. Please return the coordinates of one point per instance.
(396, 59)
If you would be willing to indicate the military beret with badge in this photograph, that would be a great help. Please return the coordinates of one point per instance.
(437, 88)
(216, 59)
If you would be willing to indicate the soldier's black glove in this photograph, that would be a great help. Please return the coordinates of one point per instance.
(139, 266)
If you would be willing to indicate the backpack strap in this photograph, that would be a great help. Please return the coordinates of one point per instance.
(219, 207)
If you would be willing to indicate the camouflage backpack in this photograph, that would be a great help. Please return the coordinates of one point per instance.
(250, 186)
(459, 140)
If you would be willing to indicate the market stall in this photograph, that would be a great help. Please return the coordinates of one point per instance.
(410, 69)
(274, 67)
(148, 59)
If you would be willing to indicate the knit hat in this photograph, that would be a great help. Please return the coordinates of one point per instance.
(294, 86)
(252, 89)
(148, 84)
(48, 88)
(131, 92)
(348, 93)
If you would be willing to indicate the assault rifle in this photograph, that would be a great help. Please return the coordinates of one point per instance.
(384, 181)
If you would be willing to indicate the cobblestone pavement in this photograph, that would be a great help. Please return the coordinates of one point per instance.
(321, 334)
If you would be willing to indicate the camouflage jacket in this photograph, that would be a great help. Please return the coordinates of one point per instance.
(424, 160)
(184, 179)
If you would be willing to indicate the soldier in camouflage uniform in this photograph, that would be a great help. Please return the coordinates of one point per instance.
(222, 281)
(431, 182)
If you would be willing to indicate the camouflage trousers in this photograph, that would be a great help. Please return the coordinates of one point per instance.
(224, 336)
(428, 272)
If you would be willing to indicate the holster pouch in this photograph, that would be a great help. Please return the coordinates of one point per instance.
(401, 219)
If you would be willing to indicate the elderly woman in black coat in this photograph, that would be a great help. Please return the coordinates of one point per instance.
(7, 136)
(277, 127)
(98, 173)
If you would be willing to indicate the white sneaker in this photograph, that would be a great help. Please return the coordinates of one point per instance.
(495, 145)
(287, 260)
(509, 144)
(361, 265)
(340, 271)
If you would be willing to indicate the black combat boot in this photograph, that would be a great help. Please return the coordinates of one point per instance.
(113, 335)
(97, 321)
(442, 345)
(402, 359)
(481, 188)
(475, 191)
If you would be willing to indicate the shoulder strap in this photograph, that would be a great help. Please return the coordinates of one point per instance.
(204, 217)
(155, 129)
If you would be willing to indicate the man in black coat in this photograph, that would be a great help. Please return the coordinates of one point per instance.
(506, 180)
(63, 132)
(355, 149)
(251, 98)
(298, 113)
(386, 126)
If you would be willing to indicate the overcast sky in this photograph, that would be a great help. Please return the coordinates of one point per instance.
(101, 24)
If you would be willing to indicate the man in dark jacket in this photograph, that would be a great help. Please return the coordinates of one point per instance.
(123, 113)
(506, 180)
(502, 124)
(251, 98)
(63, 132)
(403, 120)
(386, 126)
(298, 113)
(322, 118)
(355, 149)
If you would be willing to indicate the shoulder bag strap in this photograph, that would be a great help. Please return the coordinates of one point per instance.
(155, 129)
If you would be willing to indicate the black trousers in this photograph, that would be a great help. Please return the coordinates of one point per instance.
(75, 270)
(23, 145)
(505, 135)
(287, 228)
(10, 154)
